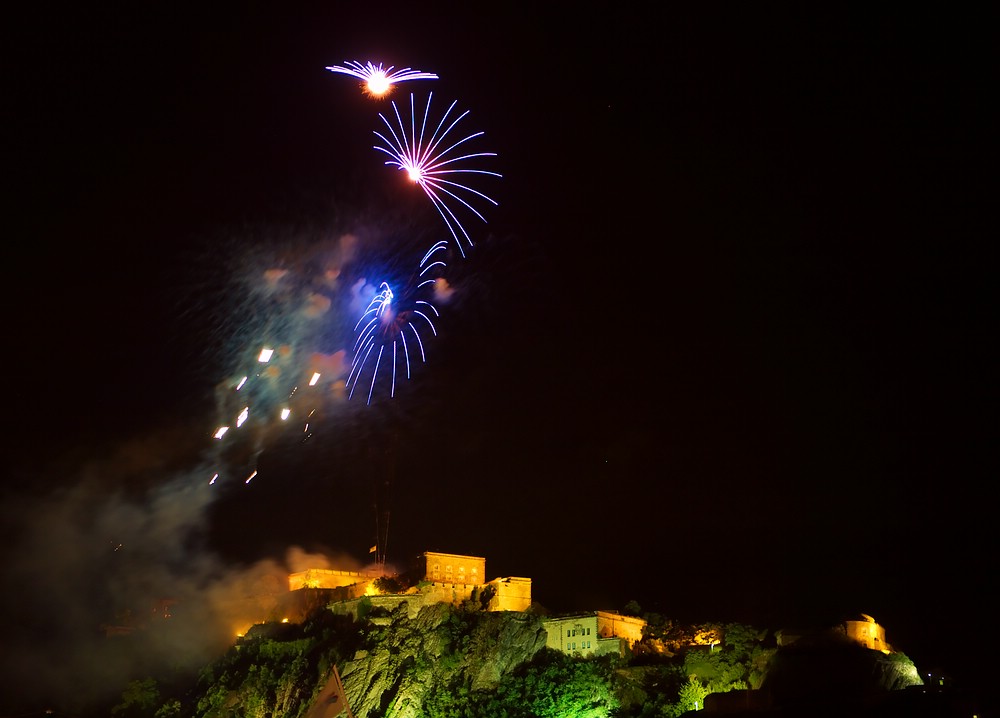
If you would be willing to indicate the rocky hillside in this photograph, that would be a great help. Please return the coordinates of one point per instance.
(446, 661)
(405, 663)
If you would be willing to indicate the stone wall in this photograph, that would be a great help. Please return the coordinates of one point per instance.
(611, 624)
(328, 578)
(512, 594)
(454, 593)
(414, 602)
(868, 633)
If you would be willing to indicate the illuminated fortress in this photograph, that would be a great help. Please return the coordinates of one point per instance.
(455, 579)
(442, 578)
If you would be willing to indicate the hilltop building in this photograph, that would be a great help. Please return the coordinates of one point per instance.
(440, 578)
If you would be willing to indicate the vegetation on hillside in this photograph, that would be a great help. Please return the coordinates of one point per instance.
(279, 669)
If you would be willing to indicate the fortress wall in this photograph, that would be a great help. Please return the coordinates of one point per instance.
(611, 624)
(512, 594)
(328, 578)
(414, 602)
(868, 633)
(453, 593)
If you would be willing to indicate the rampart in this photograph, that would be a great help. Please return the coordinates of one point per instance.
(611, 624)
(328, 578)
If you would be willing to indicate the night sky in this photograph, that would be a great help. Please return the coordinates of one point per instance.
(722, 342)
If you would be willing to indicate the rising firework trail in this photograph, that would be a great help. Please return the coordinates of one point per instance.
(378, 80)
(390, 327)
(419, 153)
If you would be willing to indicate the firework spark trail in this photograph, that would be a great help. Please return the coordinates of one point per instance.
(269, 399)
(287, 307)
(379, 80)
(289, 311)
(387, 319)
(429, 166)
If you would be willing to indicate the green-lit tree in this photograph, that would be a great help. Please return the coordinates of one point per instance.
(554, 685)
(139, 699)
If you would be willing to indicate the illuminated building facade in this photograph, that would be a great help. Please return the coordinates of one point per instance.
(450, 568)
(578, 635)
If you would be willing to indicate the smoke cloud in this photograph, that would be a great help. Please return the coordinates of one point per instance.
(109, 577)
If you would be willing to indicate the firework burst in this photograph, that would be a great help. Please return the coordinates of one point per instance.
(378, 80)
(431, 162)
(389, 330)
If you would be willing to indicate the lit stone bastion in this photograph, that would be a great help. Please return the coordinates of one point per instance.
(867, 632)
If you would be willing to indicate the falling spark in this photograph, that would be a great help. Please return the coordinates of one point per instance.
(242, 417)
(285, 413)
(429, 166)
(379, 80)
(250, 477)
(265, 355)
(221, 431)
(386, 321)
(214, 477)
(314, 379)
(242, 382)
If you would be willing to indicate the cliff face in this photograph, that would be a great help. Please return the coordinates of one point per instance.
(389, 663)
(405, 659)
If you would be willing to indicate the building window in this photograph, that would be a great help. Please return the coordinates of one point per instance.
(567, 633)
